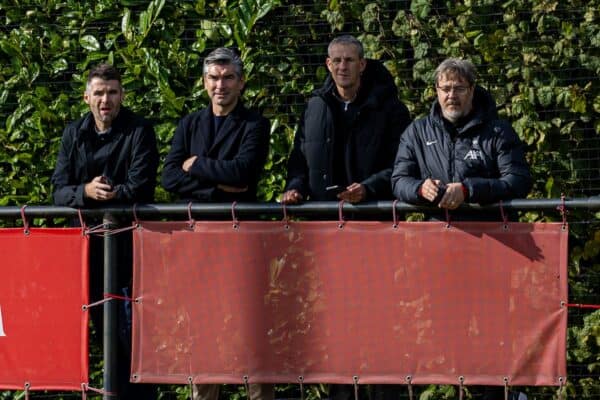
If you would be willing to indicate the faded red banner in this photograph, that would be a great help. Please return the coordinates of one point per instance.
(275, 302)
(43, 329)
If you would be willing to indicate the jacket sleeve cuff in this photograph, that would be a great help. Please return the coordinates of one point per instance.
(80, 198)
(464, 190)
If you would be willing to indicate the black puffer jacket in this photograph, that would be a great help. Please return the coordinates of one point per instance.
(485, 155)
(370, 141)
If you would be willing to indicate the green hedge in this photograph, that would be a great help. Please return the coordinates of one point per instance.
(537, 58)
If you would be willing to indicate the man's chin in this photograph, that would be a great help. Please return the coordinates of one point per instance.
(345, 84)
(223, 102)
(453, 116)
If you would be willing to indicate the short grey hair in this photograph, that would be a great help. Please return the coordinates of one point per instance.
(224, 56)
(347, 40)
(463, 68)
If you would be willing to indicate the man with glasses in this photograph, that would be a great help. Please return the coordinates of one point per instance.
(461, 152)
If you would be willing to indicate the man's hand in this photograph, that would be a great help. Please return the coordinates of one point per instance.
(453, 197)
(98, 190)
(354, 193)
(187, 164)
(232, 189)
(430, 189)
(291, 197)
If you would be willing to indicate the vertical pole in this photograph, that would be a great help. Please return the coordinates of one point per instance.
(110, 334)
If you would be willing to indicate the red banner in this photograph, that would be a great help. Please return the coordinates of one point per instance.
(43, 329)
(272, 302)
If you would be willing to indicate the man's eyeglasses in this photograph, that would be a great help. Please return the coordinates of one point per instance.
(457, 89)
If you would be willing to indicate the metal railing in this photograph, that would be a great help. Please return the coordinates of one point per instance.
(320, 208)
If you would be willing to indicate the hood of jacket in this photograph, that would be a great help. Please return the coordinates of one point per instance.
(376, 81)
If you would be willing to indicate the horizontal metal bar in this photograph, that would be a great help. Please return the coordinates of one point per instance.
(314, 209)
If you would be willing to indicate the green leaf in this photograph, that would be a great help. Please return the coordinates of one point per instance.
(420, 8)
(144, 22)
(126, 25)
(209, 28)
(59, 65)
(90, 43)
(596, 104)
(545, 95)
(334, 18)
(10, 49)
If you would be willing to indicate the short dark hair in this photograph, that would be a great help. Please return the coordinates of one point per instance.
(224, 56)
(463, 68)
(105, 72)
(347, 40)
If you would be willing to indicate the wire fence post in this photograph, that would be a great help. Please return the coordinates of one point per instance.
(110, 333)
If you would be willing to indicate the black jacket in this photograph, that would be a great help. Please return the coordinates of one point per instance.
(485, 154)
(130, 161)
(235, 157)
(370, 138)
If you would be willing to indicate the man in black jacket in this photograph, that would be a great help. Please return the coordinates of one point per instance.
(108, 156)
(461, 152)
(349, 132)
(345, 147)
(217, 154)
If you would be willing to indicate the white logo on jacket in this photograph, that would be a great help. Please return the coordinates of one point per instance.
(473, 154)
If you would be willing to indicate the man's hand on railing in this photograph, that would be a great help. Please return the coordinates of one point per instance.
(291, 197)
(99, 189)
(355, 193)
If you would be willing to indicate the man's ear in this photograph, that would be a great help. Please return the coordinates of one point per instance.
(363, 65)
(328, 64)
(86, 97)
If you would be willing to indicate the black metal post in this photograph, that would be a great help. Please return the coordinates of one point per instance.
(110, 333)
